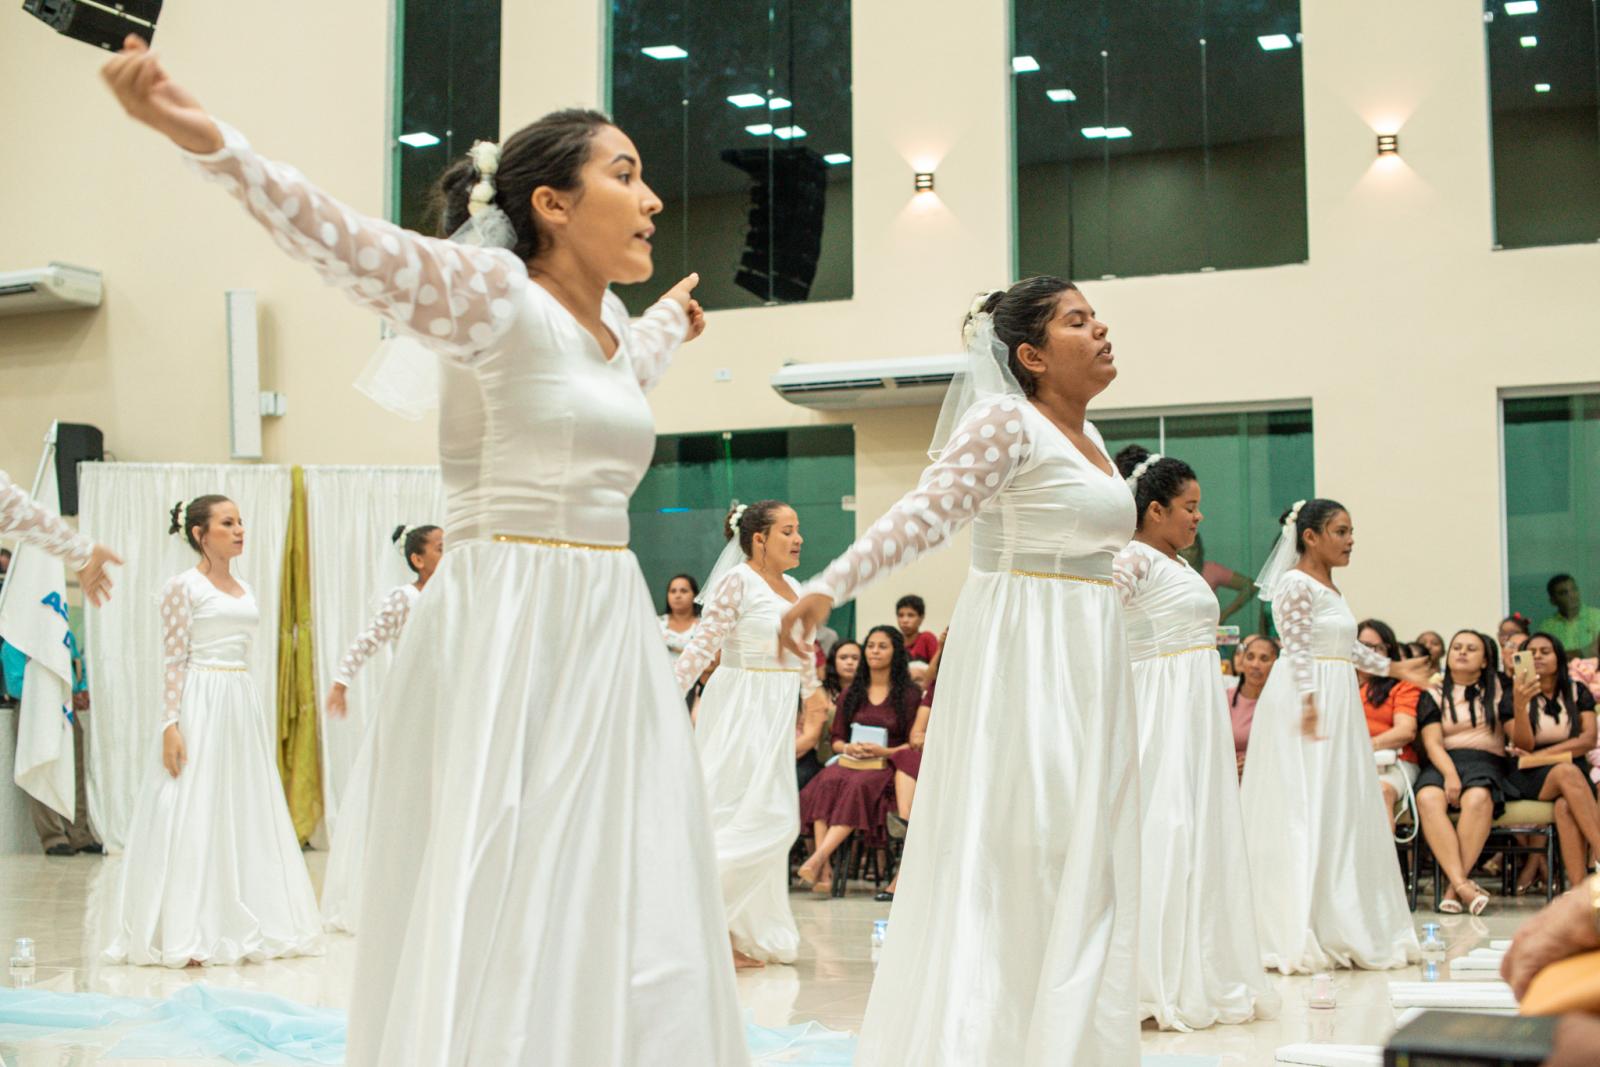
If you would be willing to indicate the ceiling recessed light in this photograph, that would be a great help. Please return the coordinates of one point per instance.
(1522, 7)
(1024, 64)
(1275, 42)
(833, 159)
(760, 129)
(778, 103)
(747, 100)
(418, 140)
(789, 133)
(1530, 42)
(1117, 133)
(1094, 131)
(1542, 87)
(1061, 96)
(665, 51)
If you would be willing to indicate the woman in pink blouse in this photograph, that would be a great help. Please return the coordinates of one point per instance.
(1256, 658)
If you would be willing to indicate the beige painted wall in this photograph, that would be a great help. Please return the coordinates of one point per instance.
(1400, 328)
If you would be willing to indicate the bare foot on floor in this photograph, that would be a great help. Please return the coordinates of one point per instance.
(741, 962)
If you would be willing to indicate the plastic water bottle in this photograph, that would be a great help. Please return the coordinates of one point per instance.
(1322, 996)
(880, 932)
(22, 961)
(1430, 971)
(1432, 944)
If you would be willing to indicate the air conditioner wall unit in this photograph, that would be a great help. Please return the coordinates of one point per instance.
(58, 287)
(875, 383)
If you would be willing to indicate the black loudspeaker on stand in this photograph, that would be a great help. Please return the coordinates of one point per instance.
(102, 23)
(75, 443)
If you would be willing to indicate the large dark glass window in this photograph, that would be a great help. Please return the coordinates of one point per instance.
(741, 111)
(1544, 93)
(1158, 136)
(447, 71)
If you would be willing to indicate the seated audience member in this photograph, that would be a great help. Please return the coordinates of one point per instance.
(1564, 929)
(1219, 577)
(1552, 714)
(1391, 707)
(909, 611)
(842, 799)
(837, 674)
(1433, 647)
(1463, 740)
(1575, 624)
(907, 763)
(1257, 653)
(809, 728)
(1512, 628)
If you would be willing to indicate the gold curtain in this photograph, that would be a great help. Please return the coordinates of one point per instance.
(298, 762)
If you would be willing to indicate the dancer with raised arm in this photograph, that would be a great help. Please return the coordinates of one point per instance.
(745, 729)
(1327, 888)
(212, 873)
(423, 546)
(542, 886)
(21, 517)
(1199, 961)
(1012, 935)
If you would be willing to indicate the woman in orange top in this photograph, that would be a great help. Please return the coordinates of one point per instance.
(1391, 707)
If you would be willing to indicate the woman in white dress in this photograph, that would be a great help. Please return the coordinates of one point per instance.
(423, 546)
(1327, 885)
(212, 873)
(746, 725)
(1012, 938)
(1199, 962)
(541, 888)
(21, 517)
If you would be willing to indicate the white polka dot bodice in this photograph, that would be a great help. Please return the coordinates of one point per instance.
(539, 434)
(1035, 502)
(1315, 623)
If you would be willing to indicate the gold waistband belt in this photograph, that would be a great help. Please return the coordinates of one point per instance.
(520, 539)
(1185, 651)
(207, 667)
(1062, 577)
(1334, 659)
(766, 670)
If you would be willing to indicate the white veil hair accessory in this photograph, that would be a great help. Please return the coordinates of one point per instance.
(732, 556)
(402, 375)
(1285, 552)
(986, 376)
(1138, 472)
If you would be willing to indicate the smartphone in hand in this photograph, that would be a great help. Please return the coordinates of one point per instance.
(1522, 667)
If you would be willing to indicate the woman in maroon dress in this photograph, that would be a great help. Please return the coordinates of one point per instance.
(841, 799)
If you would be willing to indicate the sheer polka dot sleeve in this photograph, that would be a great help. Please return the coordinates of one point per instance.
(384, 627)
(457, 299)
(25, 520)
(1129, 572)
(1367, 660)
(1292, 608)
(984, 452)
(653, 339)
(717, 621)
(177, 611)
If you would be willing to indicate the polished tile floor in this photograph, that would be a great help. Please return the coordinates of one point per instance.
(60, 903)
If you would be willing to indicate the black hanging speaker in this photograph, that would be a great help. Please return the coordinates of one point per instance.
(76, 443)
(788, 194)
(104, 24)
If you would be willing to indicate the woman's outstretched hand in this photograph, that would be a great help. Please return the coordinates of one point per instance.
(683, 295)
(800, 623)
(141, 85)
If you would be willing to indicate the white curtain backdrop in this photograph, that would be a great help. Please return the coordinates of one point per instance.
(127, 506)
(353, 511)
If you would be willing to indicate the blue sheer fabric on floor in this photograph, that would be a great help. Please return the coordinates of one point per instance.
(238, 1026)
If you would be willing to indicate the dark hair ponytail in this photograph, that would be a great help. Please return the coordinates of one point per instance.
(1022, 316)
(1161, 482)
(196, 513)
(416, 542)
(1314, 515)
(757, 519)
(549, 152)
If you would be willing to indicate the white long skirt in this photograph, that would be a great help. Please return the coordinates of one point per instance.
(341, 878)
(745, 735)
(213, 871)
(1326, 879)
(1199, 961)
(539, 885)
(1011, 939)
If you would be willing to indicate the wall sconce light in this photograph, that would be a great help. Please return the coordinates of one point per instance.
(1388, 144)
(924, 183)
